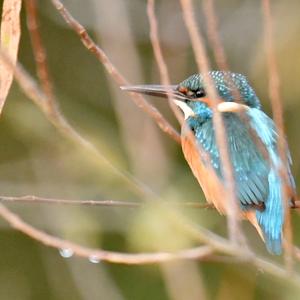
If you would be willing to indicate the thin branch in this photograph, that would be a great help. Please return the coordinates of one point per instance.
(39, 52)
(203, 66)
(213, 34)
(212, 24)
(111, 203)
(110, 256)
(36, 199)
(274, 93)
(138, 99)
(162, 66)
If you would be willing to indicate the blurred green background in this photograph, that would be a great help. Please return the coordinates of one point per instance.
(36, 159)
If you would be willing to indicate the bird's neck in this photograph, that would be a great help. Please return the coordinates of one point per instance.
(202, 113)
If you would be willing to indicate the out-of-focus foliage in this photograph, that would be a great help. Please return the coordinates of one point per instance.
(36, 159)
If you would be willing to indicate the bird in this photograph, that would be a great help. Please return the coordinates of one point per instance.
(252, 144)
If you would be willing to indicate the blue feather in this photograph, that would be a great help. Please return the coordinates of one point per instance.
(250, 168)
(272, 218)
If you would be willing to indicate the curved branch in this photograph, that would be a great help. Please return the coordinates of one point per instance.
(114, 257)
(201, 253)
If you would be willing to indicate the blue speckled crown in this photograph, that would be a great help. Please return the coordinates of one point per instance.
(225, 83)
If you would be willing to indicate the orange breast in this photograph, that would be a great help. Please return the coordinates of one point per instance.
(209, 181)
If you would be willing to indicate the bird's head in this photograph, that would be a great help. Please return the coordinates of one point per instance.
(190, 95)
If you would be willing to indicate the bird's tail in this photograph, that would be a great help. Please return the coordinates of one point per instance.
(271, 219)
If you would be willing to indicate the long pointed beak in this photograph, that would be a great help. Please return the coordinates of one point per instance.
(156, 90)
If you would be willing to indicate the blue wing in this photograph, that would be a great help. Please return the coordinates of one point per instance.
(250, 168)
(257, 179)
(272, 218)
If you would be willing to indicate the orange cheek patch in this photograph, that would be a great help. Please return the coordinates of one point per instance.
(206, 101)
(183, 90)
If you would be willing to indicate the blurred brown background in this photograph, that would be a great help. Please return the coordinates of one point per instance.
(36, 159)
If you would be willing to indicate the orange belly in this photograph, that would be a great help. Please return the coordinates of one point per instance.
(211, 184)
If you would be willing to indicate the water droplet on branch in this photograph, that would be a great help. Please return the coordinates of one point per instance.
(66, 252)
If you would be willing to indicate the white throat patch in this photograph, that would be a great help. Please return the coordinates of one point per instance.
(185, 108)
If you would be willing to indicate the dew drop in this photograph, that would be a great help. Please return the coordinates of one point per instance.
(93, 259)
(66, 252)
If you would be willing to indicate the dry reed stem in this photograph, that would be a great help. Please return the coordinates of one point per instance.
(203, 66)
(39, 52)
(138, 99)
(10, 38)
(276, 102)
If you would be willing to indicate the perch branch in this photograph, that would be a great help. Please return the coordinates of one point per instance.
(112, 203)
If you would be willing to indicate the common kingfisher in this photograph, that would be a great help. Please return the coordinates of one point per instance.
(252, 148)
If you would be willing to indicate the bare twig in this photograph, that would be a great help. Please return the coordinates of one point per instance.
(213, 34)
(10, 38)
(138, 99)
(110, 256)
(112, 203)
(203, 65)
(275, 97)
(39, 52)
(36, 199)
(162, 66)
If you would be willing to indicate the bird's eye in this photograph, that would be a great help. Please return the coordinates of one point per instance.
(200, 93)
